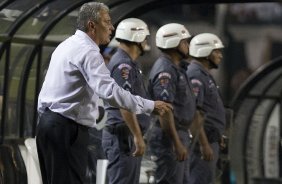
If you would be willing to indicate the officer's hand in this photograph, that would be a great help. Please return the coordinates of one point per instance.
(222, 143)
(161, 107)
(181, 152)
(207, 152)
(140, 146)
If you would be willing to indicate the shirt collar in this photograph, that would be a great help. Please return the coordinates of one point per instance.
(126, 54)
(83, 35)
(167, 59)
(199, 66)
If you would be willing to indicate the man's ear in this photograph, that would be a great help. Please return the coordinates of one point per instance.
(91, 25)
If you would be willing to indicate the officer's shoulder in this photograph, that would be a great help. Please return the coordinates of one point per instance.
(194, 69)
(160, 69)
(164, 63)
(117, 60)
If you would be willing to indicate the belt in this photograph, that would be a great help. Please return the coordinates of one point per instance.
(212, 134)
(109, 129)
(177, 126)
(62, 118)
(117, 129)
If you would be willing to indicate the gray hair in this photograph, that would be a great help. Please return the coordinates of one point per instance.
(89, 11)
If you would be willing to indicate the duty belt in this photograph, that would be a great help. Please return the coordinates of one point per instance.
(177, 126)
(212, 134)
(120, 128)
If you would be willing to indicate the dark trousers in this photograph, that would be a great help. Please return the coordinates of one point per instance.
(118, 146)
(62, 149)
(169, 170)
(202, 171)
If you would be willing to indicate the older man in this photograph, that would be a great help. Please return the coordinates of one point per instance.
(67, 103)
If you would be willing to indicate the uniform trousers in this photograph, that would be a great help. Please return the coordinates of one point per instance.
(62, 149)
(202, 171)
(118, 146)
(169, 170)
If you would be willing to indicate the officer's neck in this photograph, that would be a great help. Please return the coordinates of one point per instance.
(174, 57)
(204, 63)
(131, 49)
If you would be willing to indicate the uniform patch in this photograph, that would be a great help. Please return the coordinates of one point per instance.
(211, 84)
(125, 68)
(164, 95)
(126, 86)
(196, 91)
(164, 78)
(196, 81)
(164, 74)
(196, 86)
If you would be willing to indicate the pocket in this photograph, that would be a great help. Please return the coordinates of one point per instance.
(109, 147)
(125, 143)
(212, 95)
(107, 143)
(79, 136)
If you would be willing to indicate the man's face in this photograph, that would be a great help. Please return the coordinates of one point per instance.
(216, 56)
(184, 47)
(102, 29)
(144, 44)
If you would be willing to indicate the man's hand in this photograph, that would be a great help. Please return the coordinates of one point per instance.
(168, 125)
(133, 125)
(222, 143)
(181, 152)
(140, 146)
(162, 107)
(207, 152)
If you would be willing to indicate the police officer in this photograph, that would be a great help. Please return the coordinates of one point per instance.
(122, 139)
(206, 51)
(168, 82)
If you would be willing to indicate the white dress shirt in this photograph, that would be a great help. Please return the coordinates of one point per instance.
(77, 77)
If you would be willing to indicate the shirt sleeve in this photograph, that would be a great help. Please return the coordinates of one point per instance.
(198, 90)
(98, 78)
(164, 87)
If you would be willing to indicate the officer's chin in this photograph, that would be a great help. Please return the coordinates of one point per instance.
(185, 56)
(142, 53)
(213, 65)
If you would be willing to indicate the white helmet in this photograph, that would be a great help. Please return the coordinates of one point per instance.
(203, 44)
(133, 30)
(170, 35)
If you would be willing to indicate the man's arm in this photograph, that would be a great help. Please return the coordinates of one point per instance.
(99, 79)
(168, 125)
(132, 123)
(197, 127)
(198, 132)
(163, 88)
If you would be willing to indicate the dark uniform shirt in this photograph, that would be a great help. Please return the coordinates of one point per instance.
(169, 83)
(208, 98)
(127, 75)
